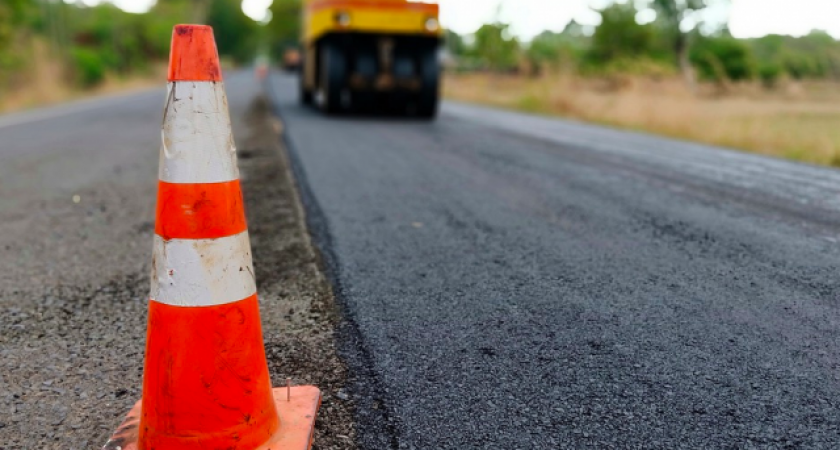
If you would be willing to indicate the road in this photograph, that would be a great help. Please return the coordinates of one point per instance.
(517, 282)
(502, 280)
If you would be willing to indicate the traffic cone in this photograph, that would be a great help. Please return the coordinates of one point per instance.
(205, 382)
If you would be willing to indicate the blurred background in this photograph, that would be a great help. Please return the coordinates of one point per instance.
(759, 75)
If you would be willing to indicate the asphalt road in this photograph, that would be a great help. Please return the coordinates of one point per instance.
(517, 282)
(506, 281)
(77, 192)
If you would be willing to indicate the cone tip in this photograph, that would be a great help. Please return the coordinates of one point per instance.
(193, 55)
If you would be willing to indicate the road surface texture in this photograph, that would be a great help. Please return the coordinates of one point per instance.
(77, 196)
(517, 282)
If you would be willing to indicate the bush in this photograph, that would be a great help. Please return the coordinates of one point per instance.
(550, 49)
(619, 36)
(723, 58)
(496, 48)
(769, 74)
(88, 66)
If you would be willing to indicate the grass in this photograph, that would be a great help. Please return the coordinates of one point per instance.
(799, 121)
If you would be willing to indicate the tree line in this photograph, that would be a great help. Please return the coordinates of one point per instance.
(91, 42)
(621, 44)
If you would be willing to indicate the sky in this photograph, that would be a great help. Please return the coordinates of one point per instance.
(747, 18)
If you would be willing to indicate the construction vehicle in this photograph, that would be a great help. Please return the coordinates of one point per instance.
(377, 55)
(291, 60)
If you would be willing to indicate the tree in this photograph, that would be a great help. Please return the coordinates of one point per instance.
(672, 15)
(555, 49)
(544, 50)
(285, 26)
(234, 30)
(723, 58)
(815, 55)
(619, 36)
(573, 30)
(158, 24)
(13, 30)
(495, 47)
(454, 42)
(11, 15)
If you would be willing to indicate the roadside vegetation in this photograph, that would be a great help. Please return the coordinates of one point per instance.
(52, 50)
(776, 95)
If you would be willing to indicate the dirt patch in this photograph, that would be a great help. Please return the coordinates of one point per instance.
(297, 304)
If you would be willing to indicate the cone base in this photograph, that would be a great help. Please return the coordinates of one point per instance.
(297, 422)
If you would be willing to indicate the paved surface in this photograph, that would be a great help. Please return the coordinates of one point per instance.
(74, 274)
(518, 282)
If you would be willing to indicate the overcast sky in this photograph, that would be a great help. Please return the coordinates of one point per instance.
(747, 18)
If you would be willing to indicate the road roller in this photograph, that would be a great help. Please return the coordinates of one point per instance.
(380, 56)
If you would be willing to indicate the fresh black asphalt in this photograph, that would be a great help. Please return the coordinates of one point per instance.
(517, 282)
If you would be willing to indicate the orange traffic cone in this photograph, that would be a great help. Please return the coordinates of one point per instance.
(206, 384)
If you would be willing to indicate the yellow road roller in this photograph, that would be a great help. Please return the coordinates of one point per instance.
(371, 55)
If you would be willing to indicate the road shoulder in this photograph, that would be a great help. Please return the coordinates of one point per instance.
(298, 308)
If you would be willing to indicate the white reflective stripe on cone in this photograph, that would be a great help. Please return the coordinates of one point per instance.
(197, 139)
(202, 272)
